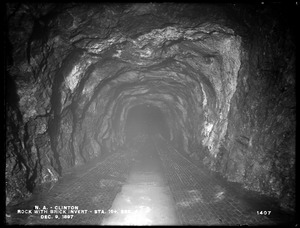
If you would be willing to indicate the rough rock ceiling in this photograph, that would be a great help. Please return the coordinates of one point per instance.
(188, 68)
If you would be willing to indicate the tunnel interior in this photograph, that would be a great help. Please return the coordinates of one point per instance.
(145, 120)
(169, 110)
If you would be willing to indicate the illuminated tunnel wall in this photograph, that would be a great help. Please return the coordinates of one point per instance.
(217, 82)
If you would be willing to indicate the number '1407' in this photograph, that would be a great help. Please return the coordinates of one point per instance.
(263, 212)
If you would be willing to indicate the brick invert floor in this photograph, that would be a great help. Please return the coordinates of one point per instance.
(92, 188)
(200, 199)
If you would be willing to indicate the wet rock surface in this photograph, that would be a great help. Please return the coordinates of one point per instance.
(221, 79)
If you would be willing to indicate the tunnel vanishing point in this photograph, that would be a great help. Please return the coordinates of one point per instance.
(217, 82)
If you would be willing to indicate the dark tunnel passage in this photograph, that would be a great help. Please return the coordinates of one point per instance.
(146, 120)
(150, 114)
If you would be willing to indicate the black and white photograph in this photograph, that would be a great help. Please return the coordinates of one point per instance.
(150, 113)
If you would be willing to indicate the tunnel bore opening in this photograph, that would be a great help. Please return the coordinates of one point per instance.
(145, 120)
(238, 126)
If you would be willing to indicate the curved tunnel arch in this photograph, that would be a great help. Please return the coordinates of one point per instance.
(180, 100)
(81, 85)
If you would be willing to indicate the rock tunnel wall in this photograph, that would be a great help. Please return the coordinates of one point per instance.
(259, 147)
(224, 82)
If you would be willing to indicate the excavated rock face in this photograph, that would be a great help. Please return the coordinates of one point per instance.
(220, 80)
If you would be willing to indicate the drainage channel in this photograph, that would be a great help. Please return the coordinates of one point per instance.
(145, 199)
